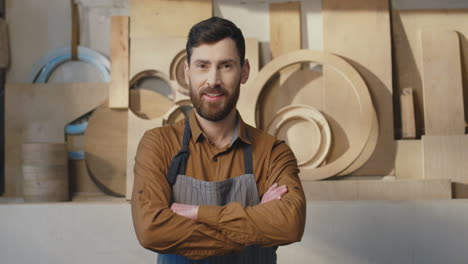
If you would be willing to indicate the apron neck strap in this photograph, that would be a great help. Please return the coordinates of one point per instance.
(179, 162)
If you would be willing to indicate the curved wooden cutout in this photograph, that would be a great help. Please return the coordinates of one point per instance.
(323, 140)
(248, 106)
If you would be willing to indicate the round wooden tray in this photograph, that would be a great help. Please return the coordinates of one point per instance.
(248, 107)
(306, 131)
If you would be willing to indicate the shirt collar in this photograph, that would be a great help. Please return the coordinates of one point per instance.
(239, 133)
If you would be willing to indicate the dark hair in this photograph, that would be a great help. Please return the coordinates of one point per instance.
(213, 30)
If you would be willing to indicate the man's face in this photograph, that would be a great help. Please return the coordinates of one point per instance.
(214, 76)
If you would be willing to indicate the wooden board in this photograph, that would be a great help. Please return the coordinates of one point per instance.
(285, 36)
(408, 123)
(106, 138)
(408, 159)
(119, 56)
(347, 190)
(368, 49)
(39, 113)
(154, 18)
(358, 89)
(4, 44)
(445, 157)
(406, 27)
(442, 83)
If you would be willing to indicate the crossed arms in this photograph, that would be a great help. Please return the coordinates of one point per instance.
(217, 230)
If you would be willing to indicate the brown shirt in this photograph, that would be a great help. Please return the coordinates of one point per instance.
(219, 230)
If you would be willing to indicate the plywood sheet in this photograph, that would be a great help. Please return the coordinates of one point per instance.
(406, 27)
(285, 36)
(119, 55)
(445, 157)
(347, 190)
(408, 159)
(39, 113)
(151, 18)
(359, 31)
(442, 83)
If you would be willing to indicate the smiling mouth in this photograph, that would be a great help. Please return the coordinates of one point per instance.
(213, 96)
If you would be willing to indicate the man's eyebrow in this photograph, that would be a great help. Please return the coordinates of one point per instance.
(202, 61)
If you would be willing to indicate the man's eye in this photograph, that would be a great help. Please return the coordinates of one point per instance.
(226, 66)
(201, 66)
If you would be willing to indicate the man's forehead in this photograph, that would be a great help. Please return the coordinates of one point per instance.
(222, 50)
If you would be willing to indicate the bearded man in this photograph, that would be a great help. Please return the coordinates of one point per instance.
(212, 189)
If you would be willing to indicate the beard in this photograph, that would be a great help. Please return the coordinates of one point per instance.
(214, 111)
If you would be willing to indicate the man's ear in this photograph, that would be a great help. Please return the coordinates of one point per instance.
(186, 71)
(245, 71)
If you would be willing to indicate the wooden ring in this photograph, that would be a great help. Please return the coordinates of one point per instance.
(249, 106)
(177, 72)
(154, 74)
(311, 114)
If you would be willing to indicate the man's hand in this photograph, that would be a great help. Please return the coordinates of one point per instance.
(190, 211)
(274, 193)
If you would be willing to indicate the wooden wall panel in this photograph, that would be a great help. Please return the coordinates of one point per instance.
(406, 27)
(446, 157)
(347, 190)
(39, 113)
(151, 18)
(442, 83)
(359, 31)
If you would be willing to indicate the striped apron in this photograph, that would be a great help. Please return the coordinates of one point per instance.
(242, 189)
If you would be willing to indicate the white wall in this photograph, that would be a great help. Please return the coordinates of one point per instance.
(357, 232)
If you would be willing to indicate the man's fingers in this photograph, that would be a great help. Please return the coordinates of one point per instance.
(274, 193)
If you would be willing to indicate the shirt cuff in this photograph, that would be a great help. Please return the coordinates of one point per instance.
(209, 215)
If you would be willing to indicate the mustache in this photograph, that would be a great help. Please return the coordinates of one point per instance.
(210, 89)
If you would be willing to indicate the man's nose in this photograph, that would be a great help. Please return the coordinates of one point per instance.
(213, 77)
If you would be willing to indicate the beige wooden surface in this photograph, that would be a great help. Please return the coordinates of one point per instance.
(408, 123)
(347, 190)
(39, 113)
(359, 31)
(151, 18)
(442, 83)
(406, 27)
(408, 159)
(119, 56)
(358, 88)
(45, 172)
(445, 157)
(285, 36)
(106, 137)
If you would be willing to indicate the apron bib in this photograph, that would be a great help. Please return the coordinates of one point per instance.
(242, 189)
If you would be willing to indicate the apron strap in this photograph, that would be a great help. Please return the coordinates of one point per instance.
(179, 162)
(248, 162)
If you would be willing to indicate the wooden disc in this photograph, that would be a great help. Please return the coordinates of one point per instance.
(306, 131)
(178, 72)
(106, 138)
(248, 108)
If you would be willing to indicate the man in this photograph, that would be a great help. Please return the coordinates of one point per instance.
(212, 188)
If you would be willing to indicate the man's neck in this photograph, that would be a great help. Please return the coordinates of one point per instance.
(220, 132)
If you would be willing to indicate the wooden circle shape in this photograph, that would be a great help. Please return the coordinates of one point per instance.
(177, 72)
(153, 74)
(106, 138)
(368, 149)
(249, 106)
(178, 112)
(317, 155)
